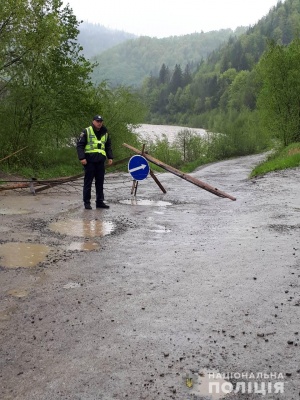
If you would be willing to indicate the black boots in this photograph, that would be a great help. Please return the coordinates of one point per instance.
(101, 205)
(88, 206)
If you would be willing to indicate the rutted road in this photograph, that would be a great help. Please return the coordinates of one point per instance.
(184, 283)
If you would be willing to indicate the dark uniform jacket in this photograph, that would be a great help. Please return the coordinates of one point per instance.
(94, 157)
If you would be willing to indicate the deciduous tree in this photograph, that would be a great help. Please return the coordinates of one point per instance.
(279, 99)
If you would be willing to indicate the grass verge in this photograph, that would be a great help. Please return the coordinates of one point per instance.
(283, 158)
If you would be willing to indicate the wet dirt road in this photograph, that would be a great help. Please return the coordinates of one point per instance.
(149, 299)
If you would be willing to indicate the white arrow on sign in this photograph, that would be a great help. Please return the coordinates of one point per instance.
(143, 166)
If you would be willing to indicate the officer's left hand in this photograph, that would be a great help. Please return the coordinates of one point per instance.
(110, 161)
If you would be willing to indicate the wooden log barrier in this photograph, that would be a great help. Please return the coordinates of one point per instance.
(181, 174)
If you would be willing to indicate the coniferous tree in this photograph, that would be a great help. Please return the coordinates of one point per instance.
(176, 80)
(164, 75)
(187, 75)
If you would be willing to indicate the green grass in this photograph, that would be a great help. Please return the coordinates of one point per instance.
(64, 162)
(284, 158)
(51, 163)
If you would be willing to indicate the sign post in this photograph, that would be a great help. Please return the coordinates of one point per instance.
(182, 175)
(138, 168)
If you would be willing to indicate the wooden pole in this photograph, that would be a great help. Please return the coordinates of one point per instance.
(134, 187)
(50, 182)
(18, 151)
(152, 174)
(157, 181)
(182, 175)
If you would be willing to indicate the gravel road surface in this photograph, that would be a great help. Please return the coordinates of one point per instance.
(183, 295)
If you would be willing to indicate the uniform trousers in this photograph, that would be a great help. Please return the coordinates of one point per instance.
(93, 171)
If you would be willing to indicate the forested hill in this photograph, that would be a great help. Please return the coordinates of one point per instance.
(96, 38)
(227, 81)
(248, 89)
(130, 62)
(281, 25)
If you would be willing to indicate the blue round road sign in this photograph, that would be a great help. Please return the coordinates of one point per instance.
(138, 167)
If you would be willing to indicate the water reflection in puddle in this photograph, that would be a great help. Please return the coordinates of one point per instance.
(7, 211)
(160, 229)
(87, 246)
(143, 202)
(83, 228)
(72, 285)
(18, 293)
(24, 255)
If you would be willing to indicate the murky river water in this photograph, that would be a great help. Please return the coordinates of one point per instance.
(154, 132)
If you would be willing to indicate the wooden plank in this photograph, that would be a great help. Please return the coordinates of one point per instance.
(15, 186)
(181, 174)
(157, 181)
(49, 183)
(59, 181)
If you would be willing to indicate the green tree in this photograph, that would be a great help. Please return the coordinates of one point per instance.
(242, 91)
(47, 78)
(12, 12)
(191, 145)
(123, 111)
(187, 75)
(164, 75)
(176, 80)
(279, 99)
(225, 80)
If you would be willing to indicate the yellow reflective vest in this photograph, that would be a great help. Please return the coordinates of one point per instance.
(92, 142)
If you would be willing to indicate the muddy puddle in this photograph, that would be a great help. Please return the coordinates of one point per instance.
(72, 285)
(83, 228)
(8, 211)
(145, 202)
(22, 255)
(160, 229)
(87, 246)
(19, 293)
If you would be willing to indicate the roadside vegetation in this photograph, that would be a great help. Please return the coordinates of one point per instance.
(46, 95)
(245, 94)
(248, 90)
(283, 158)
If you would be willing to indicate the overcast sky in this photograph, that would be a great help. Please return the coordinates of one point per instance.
(163, 18)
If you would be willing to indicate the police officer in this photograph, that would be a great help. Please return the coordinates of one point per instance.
(93, 147)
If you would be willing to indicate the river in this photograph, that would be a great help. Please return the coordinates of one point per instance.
(154, 132)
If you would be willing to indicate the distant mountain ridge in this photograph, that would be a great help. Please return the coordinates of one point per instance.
(131, 61)
(96, 38)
